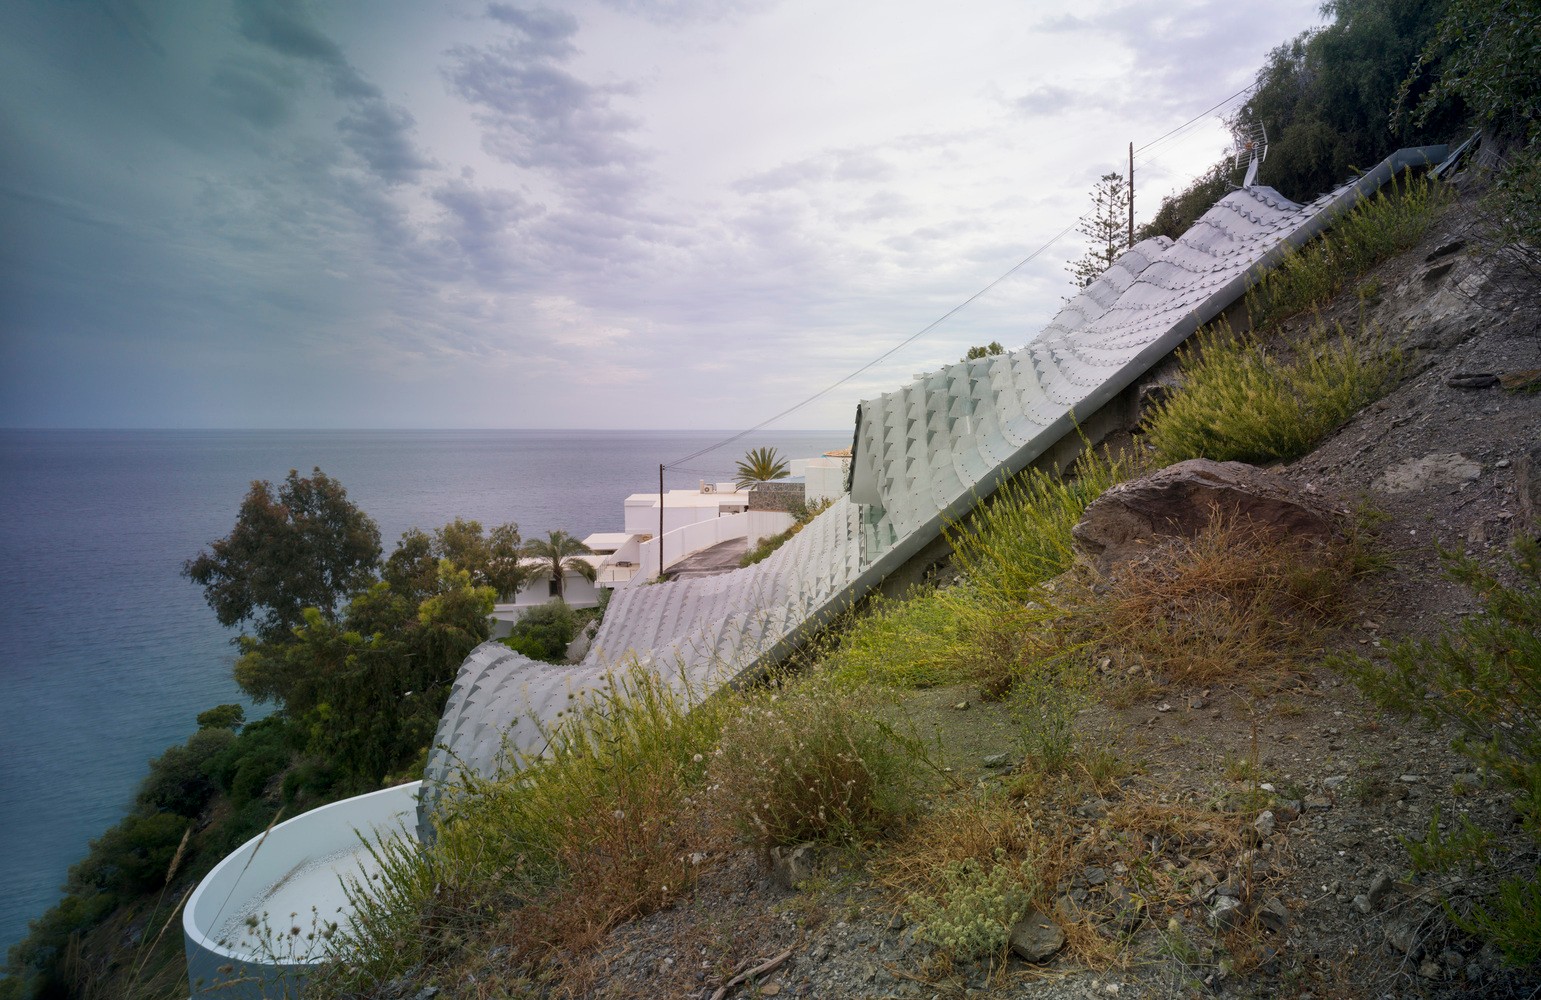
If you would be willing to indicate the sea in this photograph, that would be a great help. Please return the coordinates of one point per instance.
(107, 654)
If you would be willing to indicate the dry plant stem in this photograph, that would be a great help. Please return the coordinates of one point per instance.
(767, 966)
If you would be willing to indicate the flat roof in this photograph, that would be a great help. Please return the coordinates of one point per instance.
(608, 538)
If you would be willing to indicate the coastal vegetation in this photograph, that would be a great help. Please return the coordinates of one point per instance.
(354, 653)
(645, 785)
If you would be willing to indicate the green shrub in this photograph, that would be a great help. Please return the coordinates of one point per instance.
(913, 642)
(1241, 403)
(1484, 679)
(606, 818)
(1045, 701)
(812, 761)
(974, 906)
(544, 633)
(1378, 228)
(1021, 536)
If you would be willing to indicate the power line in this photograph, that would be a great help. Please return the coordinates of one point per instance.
(886, 354)
(947, 315)
(1195, 118)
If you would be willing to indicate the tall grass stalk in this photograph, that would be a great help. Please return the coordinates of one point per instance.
(1241, 403)
(1378, 228)
(1021, 537)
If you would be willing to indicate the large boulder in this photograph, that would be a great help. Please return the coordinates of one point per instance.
(1181, 500)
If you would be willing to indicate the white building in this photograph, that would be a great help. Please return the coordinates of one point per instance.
(577, 591)
(824, 478)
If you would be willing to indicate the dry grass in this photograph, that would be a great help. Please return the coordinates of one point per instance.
(1232, 601)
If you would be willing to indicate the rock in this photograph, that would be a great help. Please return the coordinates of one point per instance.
(1429, 969)
(1318, 802)
(1333, 782)
(1094, 876)
(1379, 886)
(961, 706)
(1363, 905)
(1226, 913)
(1434, 470)
(1403, 936)
(1181, 500)
(1036, 938)
(792, 866)
(1265, 824)
(1274, 915)
(995, 760)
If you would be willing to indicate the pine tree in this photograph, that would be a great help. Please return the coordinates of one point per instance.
(1106, 228)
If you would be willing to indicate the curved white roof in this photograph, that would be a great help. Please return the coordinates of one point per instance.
(923, 454)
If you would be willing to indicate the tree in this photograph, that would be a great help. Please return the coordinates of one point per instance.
(560, 552)
(988, 350)
(1106, 226)
(492, 558)
(760, 465)
(305, 547)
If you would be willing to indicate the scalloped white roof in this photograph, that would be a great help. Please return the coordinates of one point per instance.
(923, 454)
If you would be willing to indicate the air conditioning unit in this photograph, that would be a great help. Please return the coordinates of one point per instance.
(708, 488)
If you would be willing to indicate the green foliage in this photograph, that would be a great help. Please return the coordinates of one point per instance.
(1483, 678)
(131, 857)
(1378, 228)
(1179, 211)
(544, 633)
(1484, 55)
(606, 810)
(1021, 536)
(1326, 98)
(760, 465)
(1106, 228)
(491, 557)
(812, 761)
(913, 642)
(971, 912)
(984, 351)
(1045, 701)
(304, 547)
(1241, 403)
(222, 717)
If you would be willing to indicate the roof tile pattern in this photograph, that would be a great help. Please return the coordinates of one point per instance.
(922, 454)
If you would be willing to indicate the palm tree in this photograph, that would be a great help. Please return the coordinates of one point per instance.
(760, 465)
(561, 552)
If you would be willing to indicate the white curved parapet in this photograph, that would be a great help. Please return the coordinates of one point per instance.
(923, 456)
(260, 920)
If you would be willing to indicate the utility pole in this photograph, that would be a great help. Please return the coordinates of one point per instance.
(1131, 194)
(660, 520)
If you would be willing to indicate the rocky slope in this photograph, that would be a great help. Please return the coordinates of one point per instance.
(1452, 460)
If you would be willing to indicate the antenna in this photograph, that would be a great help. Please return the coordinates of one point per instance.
(1251, 146)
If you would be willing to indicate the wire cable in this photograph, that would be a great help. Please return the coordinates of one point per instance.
(947, 315)
(885, 355)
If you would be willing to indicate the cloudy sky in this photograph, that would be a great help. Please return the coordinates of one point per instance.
(600, 213)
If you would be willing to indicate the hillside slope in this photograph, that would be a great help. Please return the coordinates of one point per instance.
(1449, 467)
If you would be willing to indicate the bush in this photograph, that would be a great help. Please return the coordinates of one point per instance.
(1240, 403)
(913, 642)
(1232, 597)
(1378, 228)
(1021, 537)
(544, 633)
(596, 831)
(971, 912)
(811, 762)
(1484, 679)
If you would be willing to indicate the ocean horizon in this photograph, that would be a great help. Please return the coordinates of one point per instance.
(107, 654)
